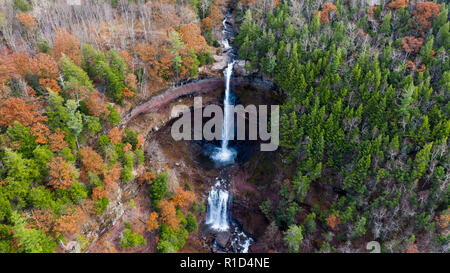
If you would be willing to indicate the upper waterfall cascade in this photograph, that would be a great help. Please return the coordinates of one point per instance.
(226, 155)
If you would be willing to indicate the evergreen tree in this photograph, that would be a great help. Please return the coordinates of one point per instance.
(293, 238)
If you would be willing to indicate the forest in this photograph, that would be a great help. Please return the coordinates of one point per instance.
(364, 117)
(367, 114)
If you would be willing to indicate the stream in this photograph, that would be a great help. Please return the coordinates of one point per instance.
(219, 199)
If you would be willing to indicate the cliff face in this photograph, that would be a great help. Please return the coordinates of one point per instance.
(195, 88)
(99, 227)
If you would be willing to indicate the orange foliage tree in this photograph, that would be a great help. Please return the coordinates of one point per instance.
(327, 8)
(99, 192)
(16, 109)
(56, 140)
(152, 222)
(422, 68)
(111, 176)
(126, 56)
(8, 68)
(207, 23)
(95, 104)
(42, 219)
(276, 3)
(410, 65)
(131, 80)
(424, 13)
(127, 147)
(116, 135)
(215, 15)
(183, 198)
(50, 84)
(22, 62)
(396, 4)
(411, 44)
(44, 66)
(192, 37)
(149, 57)
(214, 18)
(166, 63)
(168, 214)
(127, 93)
(62, 173)
(40, 131)
(140, 141)
(91, 160)
(147, 177)
(67, 44)
(333, 220)
(72, 222)
(443, 221)
(412, 248)
(28, 21)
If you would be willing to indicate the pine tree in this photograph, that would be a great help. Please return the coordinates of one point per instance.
(386, 24)
(73, 73)
(117, 64)
(421, 162)
(443, 36)
(74, 120)
(176, 46)
(293, 238)
(314, 26)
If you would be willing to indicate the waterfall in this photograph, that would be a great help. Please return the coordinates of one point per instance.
(225, 42)
(219, 199)
(241, 242)
(217, 215)
(227, 129)
(225, 155)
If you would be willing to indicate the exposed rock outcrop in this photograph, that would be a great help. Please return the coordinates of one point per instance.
(98, 226)
(223, 238)
(241, 70)
(220, 63)
(155, 103)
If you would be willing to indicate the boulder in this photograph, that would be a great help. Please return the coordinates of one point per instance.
(222, 238)
(71, 247)
(220, 63)
(231, 20)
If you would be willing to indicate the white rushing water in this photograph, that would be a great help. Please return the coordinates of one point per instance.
(219, 199)
(225, 42)
(217, 215)
(225, 155)
(241, 242)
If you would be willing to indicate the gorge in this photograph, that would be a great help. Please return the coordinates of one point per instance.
(212, 165)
